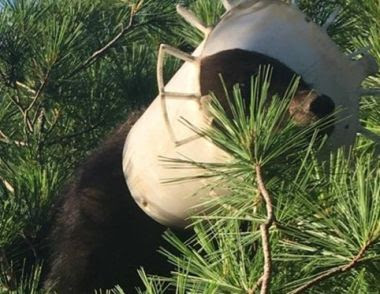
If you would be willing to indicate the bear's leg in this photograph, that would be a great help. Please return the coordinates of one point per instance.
(100, 236)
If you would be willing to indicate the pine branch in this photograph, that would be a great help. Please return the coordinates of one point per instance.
(334, 271)
(265, 279)
(6, 140)
(100, 52)
(27, 122)
(27, 88)
(38, 113)
(7, 185)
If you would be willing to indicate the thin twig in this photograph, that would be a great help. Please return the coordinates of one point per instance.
(7, 185)
(4, 136)
(98, 53)
(17, 143)
(264, 228)
(334, 271)
(39, 91)
(257, 285)
(25, 87)
(27, 122)
(16, 102)
(5, 139)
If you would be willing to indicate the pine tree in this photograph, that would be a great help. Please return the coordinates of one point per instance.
(71, 70)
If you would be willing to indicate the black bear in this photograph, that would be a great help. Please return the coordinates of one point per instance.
(100, 236)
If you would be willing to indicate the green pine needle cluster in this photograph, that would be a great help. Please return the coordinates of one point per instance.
(326, 234)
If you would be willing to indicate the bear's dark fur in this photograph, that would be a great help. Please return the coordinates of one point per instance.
(237, 66)
(100, 236)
